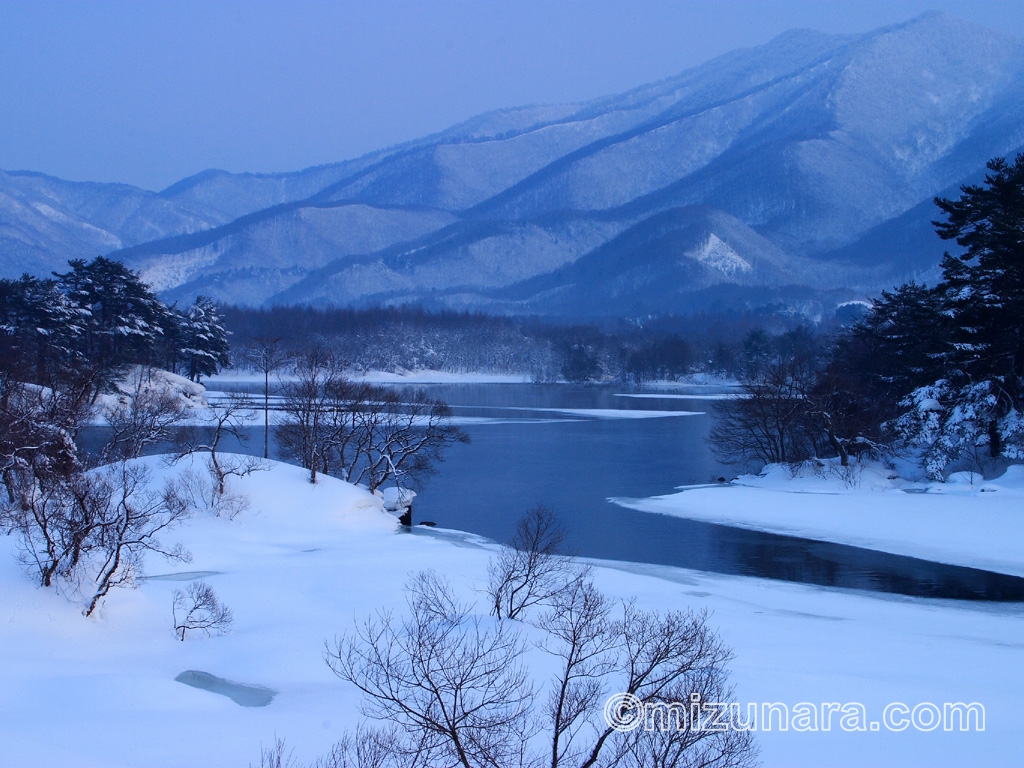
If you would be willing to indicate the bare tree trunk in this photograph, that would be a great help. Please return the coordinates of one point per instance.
(837, 446)
(995, 439)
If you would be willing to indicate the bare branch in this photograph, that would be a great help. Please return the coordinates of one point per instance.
(531, 571)
(197, 608)
(453, 683)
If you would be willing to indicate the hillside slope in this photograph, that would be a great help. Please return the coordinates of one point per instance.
(823, 150)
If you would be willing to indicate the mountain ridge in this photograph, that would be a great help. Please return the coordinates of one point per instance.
(790, 153)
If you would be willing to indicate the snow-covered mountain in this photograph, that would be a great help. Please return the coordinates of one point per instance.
(810, 161)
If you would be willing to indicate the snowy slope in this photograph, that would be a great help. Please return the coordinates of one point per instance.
(305, 562)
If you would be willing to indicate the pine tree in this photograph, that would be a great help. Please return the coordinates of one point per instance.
(38, 328)
(978, 398)
(120, 318)
(897, 347)
(205, 342)
(983, 291)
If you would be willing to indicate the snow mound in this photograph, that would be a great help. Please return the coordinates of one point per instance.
(142, 380)
(824, 476)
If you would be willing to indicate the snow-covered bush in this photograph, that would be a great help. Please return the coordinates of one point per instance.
(948, 424)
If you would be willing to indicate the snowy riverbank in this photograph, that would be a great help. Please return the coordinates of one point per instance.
(965, 521)
(305, 562)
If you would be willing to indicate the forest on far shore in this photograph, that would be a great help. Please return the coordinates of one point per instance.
(411, 338)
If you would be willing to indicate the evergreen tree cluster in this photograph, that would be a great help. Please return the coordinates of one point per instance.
(98, 317)
(948, 361)
(938, 371)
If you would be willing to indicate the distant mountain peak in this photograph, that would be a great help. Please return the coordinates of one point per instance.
(809, 161)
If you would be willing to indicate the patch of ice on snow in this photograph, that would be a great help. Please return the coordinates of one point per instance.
(243, 694)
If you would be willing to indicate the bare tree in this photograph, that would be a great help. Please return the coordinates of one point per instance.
(531, 570)
(452, 682)
(361, 433)
(309, 406)
(677, 742)
(770, 423)
(130, 516)
(580, 634)
(346, 427)
(403, 438)
(96, 526)
(459, 695)
(143, 416)
(224, 419)
(197, 608)
(267, 356)
(58, 521)
(671, 659)
(48, 500)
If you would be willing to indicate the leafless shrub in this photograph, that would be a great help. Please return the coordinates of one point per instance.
(366, 748)
(199, 489)
(277, 755)
(130, 517)
(144, 415)
(531, 570)
(224, 419)
(95, 527)
(58, 521)
(459, 695)
(452, 682)
(197, 608)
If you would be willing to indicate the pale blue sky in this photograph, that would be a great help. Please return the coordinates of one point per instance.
(150, 92)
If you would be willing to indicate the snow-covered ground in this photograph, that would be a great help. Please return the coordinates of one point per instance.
(964, 521)
(189, 396)
(305, 562)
